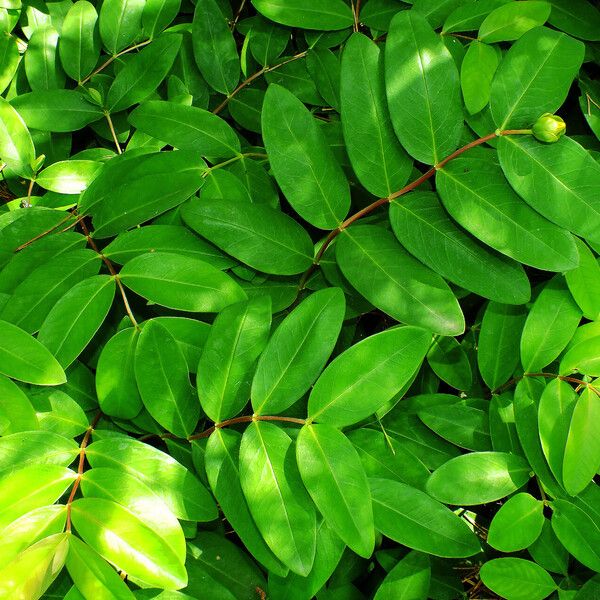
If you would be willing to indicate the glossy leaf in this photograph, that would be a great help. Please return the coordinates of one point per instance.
(351, 388)
(214, 47)
(16, 408)
(79, 47)
(16, 145)
(69, 176)
(582, 448)
(409, 579)
(120, 23)
(147, 185)
(303, 164)
(584, 283)
(416, 520)
(186, 128)
(179, 282)
(517, 579)
(420, 73)
(262, 237)
(236, 339)
(576, 17)
(517, 524)
(541, 60)
(24, 358)
(279, 504)
(478, 478)
(385, 274)
(476, 74)
(378, 159)
(171, 481)
(332, 473)
(476, 194)
(558, 180)
(75, 318)
(143, 73)
(163, 382)
(510, 21)
(92, 575)
(325, 15)
(424, 228)
(297, 351)
(116, 387)
(123, 539)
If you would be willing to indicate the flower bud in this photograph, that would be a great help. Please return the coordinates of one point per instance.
(549, 128)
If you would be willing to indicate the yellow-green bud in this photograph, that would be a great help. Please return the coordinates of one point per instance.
(549, 128)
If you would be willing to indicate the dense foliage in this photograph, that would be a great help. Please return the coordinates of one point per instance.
(299, 298)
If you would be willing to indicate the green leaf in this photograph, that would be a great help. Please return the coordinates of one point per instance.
(558, 180)
(31, 528)
(16, 408)
(550, 325)
(477, 196)
(215, 49)
(421, 74)
(180, 282)
(24, 358)
(35, 296)
(237, 337)
(578, 532)
(92, 575)
(56, 110)
(68, 176)
(476, 74)
(171, 481)
(576, 17)
(517, 524)
(187, 128)
(332, 473)
(297, 351)
(463, 425)
(164, 238)
(367, 375)
(30, 574)
(387, 458)
(75, 318)
(517, 579)
(267, 41)
(79, 46)
(582, 449)
(512, 20)
(555, 411)
(126, 541)
(30, 487)
(120, 23)
(584, 282)
(424, 228)
(10, 58)
(262, 237)
(450, 363)
(137, 497)
(378, 159)
(163, 382)
(143, 73)
(325, 15)
(302, 162)
(116, 387)
(385, 274)
(583, 357)
(221, 461)
(227, 564)
(408, 580)
(469, 16)
(157, 15)
(478, 478)
(147, 185)
(534, 77)
(42, 67)
(16, 145)
(414, 519)
(279, 504)
(324, 67)
(548, 552)
(36, 448)
(59, 413)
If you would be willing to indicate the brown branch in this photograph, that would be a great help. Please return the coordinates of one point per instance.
(254, 76)
(80, 466)
(356, 15)
(578, 382)
(407, 188)
(113, 132)
(237, 15)
(45, 233)
(245, 419)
